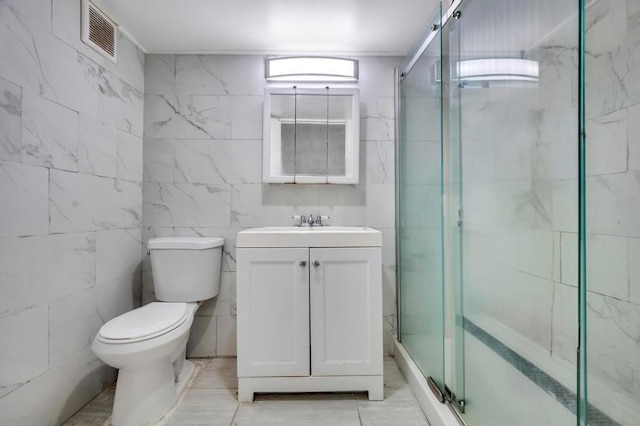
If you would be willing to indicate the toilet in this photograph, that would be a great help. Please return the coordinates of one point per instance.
(148, 345)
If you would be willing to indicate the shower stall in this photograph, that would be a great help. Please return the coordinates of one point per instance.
(518, 210)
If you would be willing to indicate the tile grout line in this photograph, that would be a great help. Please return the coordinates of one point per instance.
(355, 400)
(235, 413)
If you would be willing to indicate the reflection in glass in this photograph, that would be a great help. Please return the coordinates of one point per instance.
(312, 140)
(420, 216)
(518, 159)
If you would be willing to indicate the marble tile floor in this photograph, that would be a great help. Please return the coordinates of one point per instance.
(211, 400)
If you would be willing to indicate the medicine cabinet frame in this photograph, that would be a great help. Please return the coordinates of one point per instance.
(272, 162)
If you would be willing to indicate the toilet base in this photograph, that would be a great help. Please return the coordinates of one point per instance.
(146, 395)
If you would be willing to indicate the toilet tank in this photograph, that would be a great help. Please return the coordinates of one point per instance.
(185, 269)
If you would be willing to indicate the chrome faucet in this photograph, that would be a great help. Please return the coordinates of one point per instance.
(311, 221)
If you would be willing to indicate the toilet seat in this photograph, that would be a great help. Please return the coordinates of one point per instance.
(146, 322)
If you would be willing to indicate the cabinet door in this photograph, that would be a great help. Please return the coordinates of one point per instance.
(273, 312)
(346, 311)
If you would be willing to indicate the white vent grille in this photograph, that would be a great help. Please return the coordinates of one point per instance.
(98, 31)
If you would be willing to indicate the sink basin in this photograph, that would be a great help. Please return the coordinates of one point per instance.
(310, 236)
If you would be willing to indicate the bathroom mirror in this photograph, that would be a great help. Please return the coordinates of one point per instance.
(311, 135)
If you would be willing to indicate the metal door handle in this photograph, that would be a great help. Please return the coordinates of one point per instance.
(303, 263)
(316, 263)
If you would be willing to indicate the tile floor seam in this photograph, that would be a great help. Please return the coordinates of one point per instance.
(355, 398)
(235, 413)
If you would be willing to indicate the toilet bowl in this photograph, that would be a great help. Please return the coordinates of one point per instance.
(148, 344)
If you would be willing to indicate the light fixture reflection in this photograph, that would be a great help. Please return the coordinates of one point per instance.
(498, 69)
(311, 68)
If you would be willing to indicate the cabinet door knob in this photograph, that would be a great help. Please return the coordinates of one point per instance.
(316, 263)
(303, 263)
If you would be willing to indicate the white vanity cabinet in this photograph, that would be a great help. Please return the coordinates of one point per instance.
(309, 319)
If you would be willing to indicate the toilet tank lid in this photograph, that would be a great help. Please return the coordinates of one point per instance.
(184, 243)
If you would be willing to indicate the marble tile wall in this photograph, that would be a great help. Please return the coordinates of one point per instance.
(613, 188)
(71, 127)
(202, 171)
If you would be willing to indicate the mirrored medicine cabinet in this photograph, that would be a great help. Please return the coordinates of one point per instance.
(311, 135)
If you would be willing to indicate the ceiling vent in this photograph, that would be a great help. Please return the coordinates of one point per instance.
(99, 31)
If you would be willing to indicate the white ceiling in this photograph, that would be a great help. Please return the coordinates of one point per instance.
(374, 27)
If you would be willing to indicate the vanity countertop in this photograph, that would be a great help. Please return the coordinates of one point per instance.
(310, 236)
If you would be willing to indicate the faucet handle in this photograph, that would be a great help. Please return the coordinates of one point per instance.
(300, 219)
(321, 219)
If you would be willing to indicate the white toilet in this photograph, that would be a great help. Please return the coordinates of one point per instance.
(148, 344)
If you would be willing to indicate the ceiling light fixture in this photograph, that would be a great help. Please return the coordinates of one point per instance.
(311, 68)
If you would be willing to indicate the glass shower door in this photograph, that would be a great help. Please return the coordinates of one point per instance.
(514, 92)
(420, 245)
